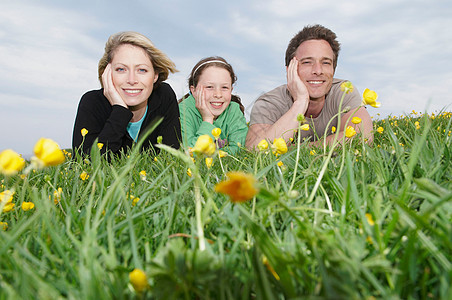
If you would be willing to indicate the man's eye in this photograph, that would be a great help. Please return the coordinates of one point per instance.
(327, 63)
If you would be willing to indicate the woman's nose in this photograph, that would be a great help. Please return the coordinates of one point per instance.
(132, 79)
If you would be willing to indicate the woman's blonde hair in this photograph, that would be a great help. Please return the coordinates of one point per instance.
(161, 63)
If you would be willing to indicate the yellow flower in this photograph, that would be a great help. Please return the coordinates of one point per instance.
(263, 145)
(417, 125)
(138, 280)
(48, 153)
(143, 175)
(57, 195)
(216, 133)
(10, 162)
(84, 131)
(4, 226)
(356, 120)
(370, 98)
(304, 127)
(68, 154)
(209, 162)
(205, 145)
(279, 146)
(27, 205)
(347, 87)
(380, 129)
(135, 200)
(239, 186)
(8, 207)
(312, 152)
(333, 129)
(155, 159)
(6, 196)
(301, 118)
(189, 172)
(84, 176)
(222, 153)
(280, 163)
(100, 146)
(370, 220)
(350, 131)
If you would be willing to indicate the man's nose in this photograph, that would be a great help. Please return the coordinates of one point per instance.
(317, 68)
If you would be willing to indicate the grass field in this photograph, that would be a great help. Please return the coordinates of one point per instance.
(356, 222)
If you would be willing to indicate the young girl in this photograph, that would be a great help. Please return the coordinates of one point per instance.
(132, 98)
(209, 106)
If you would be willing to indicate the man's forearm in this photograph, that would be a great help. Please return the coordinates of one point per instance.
(281, 128)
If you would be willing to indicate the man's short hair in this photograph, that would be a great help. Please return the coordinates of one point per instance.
(314, 32)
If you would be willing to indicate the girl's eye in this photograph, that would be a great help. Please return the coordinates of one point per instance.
(208, 87)
(225, 88)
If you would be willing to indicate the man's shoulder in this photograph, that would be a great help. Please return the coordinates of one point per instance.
(278, 92)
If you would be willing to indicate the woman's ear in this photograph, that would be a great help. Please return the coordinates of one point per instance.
(156, 76)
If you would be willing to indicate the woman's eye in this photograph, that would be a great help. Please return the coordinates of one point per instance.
(120, 69)
(142, 70)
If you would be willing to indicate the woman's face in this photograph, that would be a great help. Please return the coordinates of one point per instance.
(133, 75)
(217, 85)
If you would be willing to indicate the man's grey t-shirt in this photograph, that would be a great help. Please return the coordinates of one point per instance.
(271, 106)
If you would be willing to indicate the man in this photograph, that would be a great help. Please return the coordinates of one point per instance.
(311, 90)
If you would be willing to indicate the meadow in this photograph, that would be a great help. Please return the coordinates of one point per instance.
(356, 221)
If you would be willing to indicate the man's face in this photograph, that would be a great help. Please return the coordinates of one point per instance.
(315, 67)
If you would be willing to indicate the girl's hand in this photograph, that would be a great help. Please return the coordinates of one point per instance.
(202, 106)
(296, 87)
(110, 91)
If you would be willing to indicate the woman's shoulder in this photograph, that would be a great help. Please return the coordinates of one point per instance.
(94, 97)
(163, 89)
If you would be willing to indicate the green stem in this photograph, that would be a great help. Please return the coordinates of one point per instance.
(298, 157)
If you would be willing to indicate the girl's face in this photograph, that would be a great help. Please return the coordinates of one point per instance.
(133, 75)
(217, 86)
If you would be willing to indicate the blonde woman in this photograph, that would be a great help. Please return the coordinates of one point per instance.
(133, 96)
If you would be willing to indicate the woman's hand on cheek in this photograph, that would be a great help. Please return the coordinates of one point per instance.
(201, 105)
(110, 91)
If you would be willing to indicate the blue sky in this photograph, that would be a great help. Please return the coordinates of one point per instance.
(49, 52)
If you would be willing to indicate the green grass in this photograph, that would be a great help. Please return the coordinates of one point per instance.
(287, 243)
